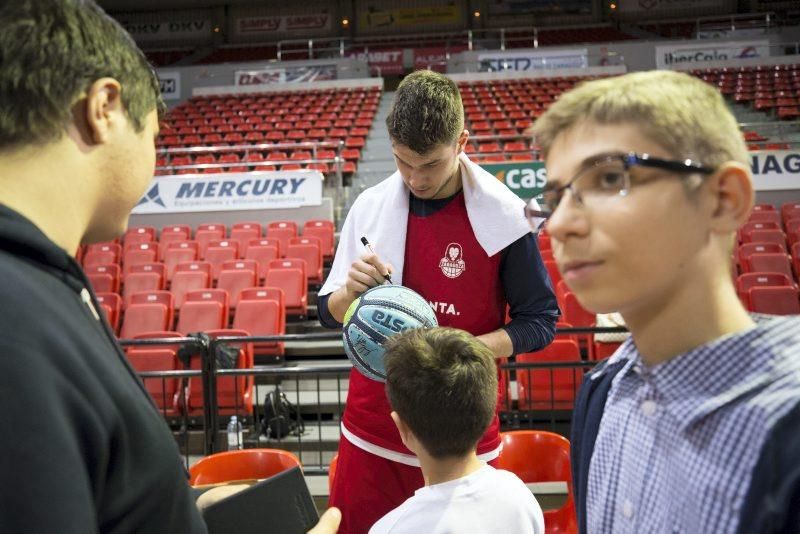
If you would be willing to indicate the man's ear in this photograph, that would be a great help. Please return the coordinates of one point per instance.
(462, 140)
(104, 109)
(733, 197)
(405, 432)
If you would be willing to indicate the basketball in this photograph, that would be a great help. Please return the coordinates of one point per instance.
(374, 317)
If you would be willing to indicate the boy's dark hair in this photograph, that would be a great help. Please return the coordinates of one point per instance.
(51, 51)
(426, 112)
(442, 382)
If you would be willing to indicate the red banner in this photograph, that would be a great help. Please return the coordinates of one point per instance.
(381, 61)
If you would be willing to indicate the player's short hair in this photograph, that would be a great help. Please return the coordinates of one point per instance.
(426, 112)
(51, 51)
(684, 115)
(442, 382)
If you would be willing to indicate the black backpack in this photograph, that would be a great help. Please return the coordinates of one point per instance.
(281, 417)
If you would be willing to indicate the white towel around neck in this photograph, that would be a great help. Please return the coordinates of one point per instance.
(380, 214)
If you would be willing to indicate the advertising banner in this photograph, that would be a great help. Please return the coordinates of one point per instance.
(232, 191)
(653, 6)
(283, 24)
(699, 52)
(525, 7)
(174, 30)
(383, 60)
(531, 60)
(434, 57)
(775, 169)
(373, 18)
(170, 83)
(315, 73)
(525, 179)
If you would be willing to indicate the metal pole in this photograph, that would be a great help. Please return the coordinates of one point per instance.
(310, 49)
(469, 40)
(502, 38)
(209, 379)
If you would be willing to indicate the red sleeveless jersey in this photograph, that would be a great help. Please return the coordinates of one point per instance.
(445, 264)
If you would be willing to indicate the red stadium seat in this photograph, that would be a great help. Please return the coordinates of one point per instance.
(234, 394)
(307, 249)
(141, 281)
(142, 318)
(246, 464)
(290, 276)
(324, 231)
(138, 253)
(262, 251)
(219, 252)
(203, 310)
(237, 275)
(158, 358)
(112, 306)
(105, 276)
(748, 249)
(775, 300)
(769, 263)
(207, 233)
(112, 252)
(179, 252)
(245, 231)
(262, 312)
(283, 231)
(156, 297)
(765, 236)
(139, 234)
(552, 388)
(745, 282)
(188, 277)
(552, 454)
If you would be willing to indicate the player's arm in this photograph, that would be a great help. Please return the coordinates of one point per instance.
(532, 303)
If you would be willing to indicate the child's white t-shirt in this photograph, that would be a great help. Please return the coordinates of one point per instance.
(488, 500)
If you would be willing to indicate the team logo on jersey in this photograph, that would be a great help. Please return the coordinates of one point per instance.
(452, 265)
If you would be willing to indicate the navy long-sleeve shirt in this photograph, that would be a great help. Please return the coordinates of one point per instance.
(526, 284)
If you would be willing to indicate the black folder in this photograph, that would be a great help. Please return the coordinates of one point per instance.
(280, 504)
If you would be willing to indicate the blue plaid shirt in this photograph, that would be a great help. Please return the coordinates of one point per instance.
(678, 441)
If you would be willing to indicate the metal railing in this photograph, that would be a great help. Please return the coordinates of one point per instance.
(537, 395)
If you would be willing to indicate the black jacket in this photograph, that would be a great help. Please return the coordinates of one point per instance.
(84, 448)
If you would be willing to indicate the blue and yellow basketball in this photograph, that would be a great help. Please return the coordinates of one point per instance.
(375, 316)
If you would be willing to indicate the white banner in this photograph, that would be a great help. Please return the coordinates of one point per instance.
(673, 55)
(775, 169)
(522, 61)
(283, 23)
(232, 191)
(652, 6)
(166, 31)
(170, 83)
(286, 75)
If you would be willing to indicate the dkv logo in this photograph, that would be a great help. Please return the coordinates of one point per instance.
(523, 178)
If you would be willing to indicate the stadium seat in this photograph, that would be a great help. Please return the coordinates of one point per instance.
(139, 234)
(283, 231)
(290, 276)
(203, 310)
(765, 216)
(171, 234)
(262, 312)
(179, 252)
(111, 253)
(765, 236)
(111, 303)
(234, 394)
(189, 277)
(138, 253)
(237, 275)
(243, 232)
(219, 252)
(247, 464)
(140, 281)
(156, 297)
(104, 278)
(143, 318)
(552, 464)
(324, 231)
(158, 358)
(551, 388)
(579, 317)
(308, 249)
(775, 300)
(207, 233)
(769, 263)
(552, 270)
(745, 282)
(263, 251)
(748, 249)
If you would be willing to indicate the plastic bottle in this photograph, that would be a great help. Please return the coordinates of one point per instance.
(235, 441)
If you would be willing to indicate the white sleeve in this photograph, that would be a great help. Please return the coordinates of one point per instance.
(346, 252)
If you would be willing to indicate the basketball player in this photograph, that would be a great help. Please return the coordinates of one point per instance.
(692, 425)
(452, 232)
(84, 447)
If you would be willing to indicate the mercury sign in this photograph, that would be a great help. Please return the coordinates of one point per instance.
(232, 191)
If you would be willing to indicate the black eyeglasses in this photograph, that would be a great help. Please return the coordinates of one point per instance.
(604, 180)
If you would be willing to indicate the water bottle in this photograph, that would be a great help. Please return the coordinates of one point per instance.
(234, 434)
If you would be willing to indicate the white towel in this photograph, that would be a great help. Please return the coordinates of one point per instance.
(380, 214)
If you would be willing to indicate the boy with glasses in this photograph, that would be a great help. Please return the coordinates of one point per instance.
(692, 425)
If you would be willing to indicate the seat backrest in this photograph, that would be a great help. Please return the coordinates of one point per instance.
(112, 302)
(765, 236)
(246, 464)
(311, 254)
(157, 358)
(141, 318)
(262, 318)
(234, 281)
(174, 256)
(201, 316)
(103, 282)
(748, 249)
(295, 289)
(99, 257)
(289, 263)
(775, 300)
(243, 234)
(283, 231)
(152, 267)
(136, 282)
(139, 234)
(322, 232)
(769, 263)
(262, 255)
(747, 281)
(219, 252)
(551, 387)
(186, 281)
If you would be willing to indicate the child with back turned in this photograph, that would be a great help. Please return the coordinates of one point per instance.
(442, 384)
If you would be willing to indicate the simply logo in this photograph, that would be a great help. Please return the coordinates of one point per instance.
(152, 196)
